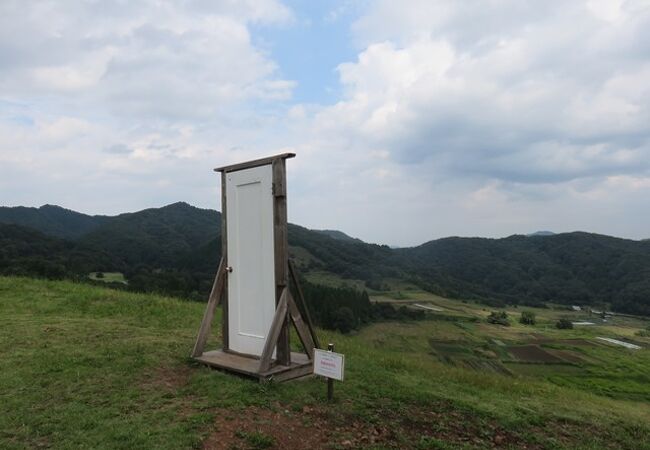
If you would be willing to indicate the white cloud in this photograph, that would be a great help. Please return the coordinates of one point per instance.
(101, 100)
(517, 104)
(455, 118)
(146, 59)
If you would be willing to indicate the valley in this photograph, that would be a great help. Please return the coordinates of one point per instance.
(175, 250)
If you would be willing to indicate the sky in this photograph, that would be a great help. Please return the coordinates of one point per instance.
(411, 120)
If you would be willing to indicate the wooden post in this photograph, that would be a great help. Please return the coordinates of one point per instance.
(330, 382)
(224, 258)
(283, 355)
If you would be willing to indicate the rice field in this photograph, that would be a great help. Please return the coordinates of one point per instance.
(591, 358)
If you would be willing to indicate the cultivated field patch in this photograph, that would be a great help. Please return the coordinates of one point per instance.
(108, 277)
(481, 358)
(532, 354)
(568, 355)
(451, 348)
(543, 370)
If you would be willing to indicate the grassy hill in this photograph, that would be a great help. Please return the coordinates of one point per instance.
(90, 367)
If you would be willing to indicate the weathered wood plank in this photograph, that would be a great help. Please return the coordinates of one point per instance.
(303, 332)
(294, 372)
(244, 365)
(254, 163)
(281, 248)
(279, 321)
(215, 296)
(224, 256)
(303, 304)
(280, 237)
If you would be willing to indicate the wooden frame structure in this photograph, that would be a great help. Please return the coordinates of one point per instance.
(286, 364)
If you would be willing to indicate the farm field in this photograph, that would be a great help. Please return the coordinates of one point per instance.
(579, 358)
(90, 367)
(108, 277)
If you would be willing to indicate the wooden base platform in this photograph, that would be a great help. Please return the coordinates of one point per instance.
(244, 365)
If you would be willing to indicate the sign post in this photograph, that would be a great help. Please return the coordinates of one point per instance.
(330, 381)
(330, 365)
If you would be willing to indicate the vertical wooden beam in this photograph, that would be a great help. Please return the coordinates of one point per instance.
(206, 325)
(272, 338)
(224, 258)
(281, 246)
(303, 304)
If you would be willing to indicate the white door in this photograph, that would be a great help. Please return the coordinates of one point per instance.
(251, 284)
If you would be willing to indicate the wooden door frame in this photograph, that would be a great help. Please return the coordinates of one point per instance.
(287, 311)
(280, 241)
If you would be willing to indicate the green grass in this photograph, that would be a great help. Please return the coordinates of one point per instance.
(332, 280)
(256, 439)
(89, 367)
(109, 277)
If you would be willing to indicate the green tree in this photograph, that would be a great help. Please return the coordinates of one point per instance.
(564, 324)
(499, 318)
(343, 319)
(527, 318)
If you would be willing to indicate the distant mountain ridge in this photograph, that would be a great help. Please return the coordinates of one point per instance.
(336, 234)
(541, 233)
(176, 249)
(52, 220)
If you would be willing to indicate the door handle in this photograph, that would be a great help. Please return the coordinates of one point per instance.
(228, 269)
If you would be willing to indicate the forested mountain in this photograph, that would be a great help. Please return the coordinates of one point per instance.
(157, 236)
(24, 251)
(336, 234)
(569, 268)
(52, 220)
(176, 249)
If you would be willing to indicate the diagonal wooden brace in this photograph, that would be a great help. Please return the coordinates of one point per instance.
(303, 332)
(208, 316)
(303, 305)
(279, 320)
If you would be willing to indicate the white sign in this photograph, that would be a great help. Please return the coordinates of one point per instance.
(329, 364)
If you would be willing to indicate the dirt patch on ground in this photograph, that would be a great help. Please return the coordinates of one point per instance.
(533, 354)
(577, 342)
(325, 427)
(568, 355)
(169, 378)
(541, 339)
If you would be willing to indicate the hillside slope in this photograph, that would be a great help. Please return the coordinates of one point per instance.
(52, 220)
(156, 236)
(176, 249)
(86, 367)
(24, 251)
(336, 234)
(569, 268)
